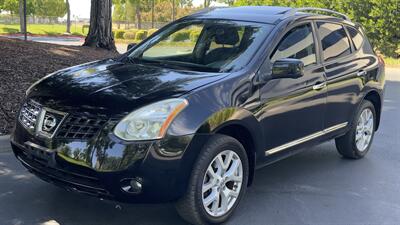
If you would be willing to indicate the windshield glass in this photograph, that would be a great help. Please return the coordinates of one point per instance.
(203, 45)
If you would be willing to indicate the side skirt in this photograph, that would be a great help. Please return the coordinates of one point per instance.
(305, 139)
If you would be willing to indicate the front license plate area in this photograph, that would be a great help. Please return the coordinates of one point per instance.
(43, 154)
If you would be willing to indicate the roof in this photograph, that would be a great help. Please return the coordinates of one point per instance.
(263, 14)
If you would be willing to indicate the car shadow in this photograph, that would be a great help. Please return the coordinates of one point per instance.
(24, 199)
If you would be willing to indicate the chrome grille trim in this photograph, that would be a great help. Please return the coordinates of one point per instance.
(29, 115)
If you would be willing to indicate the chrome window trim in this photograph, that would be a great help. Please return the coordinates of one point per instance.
(305, 139)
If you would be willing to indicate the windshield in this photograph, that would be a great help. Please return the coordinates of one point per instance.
(203, 45)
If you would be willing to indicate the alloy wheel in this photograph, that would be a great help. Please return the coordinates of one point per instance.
(222, 183)
(365, 129)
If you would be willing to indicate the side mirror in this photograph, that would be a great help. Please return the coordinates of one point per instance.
(287, 68)
(130, 46)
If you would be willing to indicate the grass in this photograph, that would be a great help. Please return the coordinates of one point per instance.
(392, 61)
(43, 29)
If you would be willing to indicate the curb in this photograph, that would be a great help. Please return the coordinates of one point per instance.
(5, 144)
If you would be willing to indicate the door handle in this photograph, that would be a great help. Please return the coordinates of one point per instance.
(361, 73)
(319, 86)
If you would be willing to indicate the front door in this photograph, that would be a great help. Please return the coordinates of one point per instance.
(292, 110)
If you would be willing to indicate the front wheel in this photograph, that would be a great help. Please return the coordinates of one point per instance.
(218, 182)
(357, 141)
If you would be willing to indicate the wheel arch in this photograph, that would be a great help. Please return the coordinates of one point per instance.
(241, 125)
(243, 135)
(375, 98)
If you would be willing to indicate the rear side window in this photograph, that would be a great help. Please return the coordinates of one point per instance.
(356, 37)
(298, 43)
(335, 43)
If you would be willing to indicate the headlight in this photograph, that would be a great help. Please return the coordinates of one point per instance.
(150, 122)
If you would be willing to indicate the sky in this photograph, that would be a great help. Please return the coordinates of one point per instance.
(81, 8)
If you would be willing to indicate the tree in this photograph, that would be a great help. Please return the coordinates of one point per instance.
(100, 29)
(138, 15)
(21, 16)
(380, 18)
(119, 13)
(1, 4)
(11, 6)
(207, 3)
(68, 16)
(228, 2)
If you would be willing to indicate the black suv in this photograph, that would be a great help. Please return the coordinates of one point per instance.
(190, 113)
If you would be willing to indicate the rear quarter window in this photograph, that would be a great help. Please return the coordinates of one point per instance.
(334, 40)
(356, 37)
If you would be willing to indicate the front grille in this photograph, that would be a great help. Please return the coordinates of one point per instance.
(80, 127)
(29, 114)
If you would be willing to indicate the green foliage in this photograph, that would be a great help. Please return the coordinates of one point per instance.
(11, 6)
(194, 35)
(141, 35)
(119, 13)
(49, 8)
(119, 34)
(380, 18)
(130, 34)
(181, 35)
(151, 31)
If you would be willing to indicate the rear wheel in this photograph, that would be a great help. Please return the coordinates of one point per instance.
(218, 182)
(357, 141)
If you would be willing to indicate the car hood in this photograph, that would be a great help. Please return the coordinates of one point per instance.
(114, 87)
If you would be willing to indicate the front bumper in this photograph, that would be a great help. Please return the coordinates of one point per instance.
(98, 166)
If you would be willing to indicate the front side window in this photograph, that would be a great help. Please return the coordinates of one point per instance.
(335, 43)
(298, 43)
(204, 45)
(356, 37)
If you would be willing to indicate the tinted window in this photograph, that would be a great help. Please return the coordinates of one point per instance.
(203, 45)
(297, 44)
(356, 37)
(334, 40)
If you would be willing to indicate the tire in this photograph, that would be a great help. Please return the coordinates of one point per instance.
(347, 145)
(190, 207)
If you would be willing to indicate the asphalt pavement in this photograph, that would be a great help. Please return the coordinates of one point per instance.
(313, 187)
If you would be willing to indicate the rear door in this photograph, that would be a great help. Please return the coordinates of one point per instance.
(292, 110)
(343, 69)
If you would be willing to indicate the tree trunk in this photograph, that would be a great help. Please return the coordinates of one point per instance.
(68, 17)
(100, 29)
(173, 10)
(152, 14)
(138, 16)
(21, 16)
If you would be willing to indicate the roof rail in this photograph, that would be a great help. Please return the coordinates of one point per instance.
(293, 11)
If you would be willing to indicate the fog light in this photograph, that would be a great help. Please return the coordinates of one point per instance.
(132, 185)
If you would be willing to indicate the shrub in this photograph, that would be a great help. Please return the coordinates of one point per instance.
(194, 35)
(181, 35)
(141, 35)
(119, 34)
(129, 35)
(151, 31)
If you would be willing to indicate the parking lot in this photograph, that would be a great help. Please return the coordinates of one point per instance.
(314, 187)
